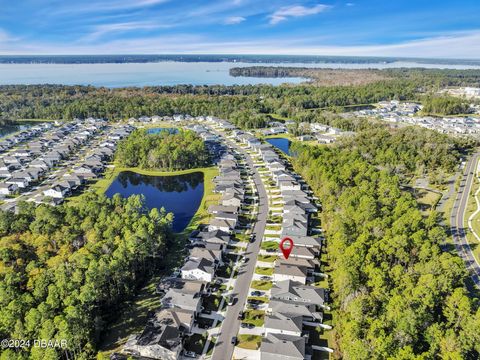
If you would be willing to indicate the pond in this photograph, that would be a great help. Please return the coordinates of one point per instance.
(282, 144)
(7, 128)
(158, 130)
(179, 194)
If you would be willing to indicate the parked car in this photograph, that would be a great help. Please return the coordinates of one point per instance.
(234, 340)
(190, 354)
(247, 325)
(252, 238)
(271, 250)
(230, 300)
(241, 315)
(265, 277)
(256, 293)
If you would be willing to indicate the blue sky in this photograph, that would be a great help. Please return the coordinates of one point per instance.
(423, 28)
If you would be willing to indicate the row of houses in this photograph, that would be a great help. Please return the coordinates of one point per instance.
(295, 305)
(29, 163)
(398, 113)
(182, 295)
(22, 136)
(89, 168)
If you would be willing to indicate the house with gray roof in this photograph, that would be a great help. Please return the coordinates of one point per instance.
(214, 256)
(279, 323)
(178, 299)
(215, 237)
(293, 205)
(295, 227)
(285, 271)
(306, 310)
(198, 269)
(163, 336)
(282, 347)
(215, 209)
(293, 291)
(231, 199)
(222, 224)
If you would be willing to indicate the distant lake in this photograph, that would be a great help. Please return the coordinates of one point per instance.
(179, 194)
(172, 72)
(11, 127)
(133, 74)
(282, 144)
(170, 130)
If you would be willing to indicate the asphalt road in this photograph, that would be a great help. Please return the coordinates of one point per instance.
(457, 220)
(224, 348)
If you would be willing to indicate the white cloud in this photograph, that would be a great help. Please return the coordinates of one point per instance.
(350, 4)
(5, 37)
(104, 6)
(233, 20)
(456, 45)
(104, 29)
(295, 11)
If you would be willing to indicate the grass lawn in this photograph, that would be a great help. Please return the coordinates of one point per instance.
(426, 199)
(277, 219)
(269, 245)
(267, 258)
(264, 270)
(261, 285)
(255, 317)
(242, 237)
(251, 342)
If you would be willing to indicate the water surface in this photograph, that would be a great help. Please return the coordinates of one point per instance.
(173, 72)
(179, 194)
(170, 130)
(12, 127)
(282, 144)
(132, 74)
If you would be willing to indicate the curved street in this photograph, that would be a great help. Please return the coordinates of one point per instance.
(457, 220)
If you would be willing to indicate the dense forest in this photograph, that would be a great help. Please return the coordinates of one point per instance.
(162, 151)
(318, 76)
(64, 269)
(396, 294)
(66, 102)
(424, 77)
(410, 152)
(445, 105)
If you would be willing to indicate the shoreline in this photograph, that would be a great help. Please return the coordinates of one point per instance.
(201, 215)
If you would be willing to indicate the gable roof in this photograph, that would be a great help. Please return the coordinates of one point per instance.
(291, 290)
(282, 347)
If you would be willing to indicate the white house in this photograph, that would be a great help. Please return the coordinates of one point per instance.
(198, 269)
(7, 189)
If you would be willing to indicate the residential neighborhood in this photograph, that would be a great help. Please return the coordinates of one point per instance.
(406, 113)
(234, 279)
(50, 162)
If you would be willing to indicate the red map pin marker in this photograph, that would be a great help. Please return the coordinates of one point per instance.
(286, 245)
